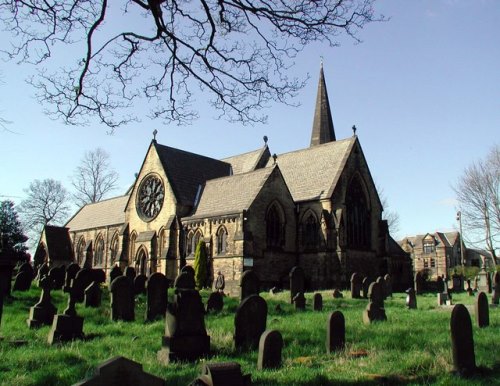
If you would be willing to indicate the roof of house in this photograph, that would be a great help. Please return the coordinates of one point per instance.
(247, 162)
(99, 214)
(231, 194)
(57, 244)
(187, 171)
(313, 173)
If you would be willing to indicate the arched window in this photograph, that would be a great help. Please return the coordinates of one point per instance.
(80, 251)
(189, 243)
(196, 239)
(142, 262)
(162, 242)
(274, 227)
(99, 252)
(221, 240)
(114, 249)
(131, 255)
(310, 232)
(358, 216)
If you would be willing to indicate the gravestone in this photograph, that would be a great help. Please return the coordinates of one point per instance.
(250, 322)
(270, 347)
(82, 280)
(482, 311)
(220, 282)
(42, 313)
(43, 270)
(140, 284)
(250, 284)
(215, 302)
(57, 276)
(98, 275)
(388, 285)
(495, 296)
(440, 284)
(130, 274)
(5, 279)
(419, 283)
(22, 281)
(157, 296)
(122, 299)
(443, 299)
(335, 332)
(469, 290)
(458, 282)
(317, 302)
(68, 325)
(71, 272)
(411, 299)
(93, 295)
(299, 301)
(188, 269)
(27, 267)
(337, 294)
(356, 285)
(462, 341)
(115, 272)
(476, 279)
(123, 372)
(483, 280)
(185, 334)
(374, 311)
(297, 282)
(222, 374)
(365, 285)
(380, 280)
(184, 281)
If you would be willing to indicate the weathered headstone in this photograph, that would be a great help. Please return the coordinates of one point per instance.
(93, 295)
(388, 285)
(220, 282)
(250, 284)
(27, 267)
(114, 273)
(356, 285)
(122, 299)
(98, 275)
(482, 311)
(380, 280)
(71, 272)
(222, 374)
(365, 285)
(185, 334)
(22, 281)
(140, 284)
(121, 371)
(270, 347)
(419, 283)
(457, 282)
(215, 302)
(82, 280)
(495, 296)
(67, 326)
(483, 281)
(299, 301)
(335, 332)
(297, 282)
(374, 311)
(462, 341)
(443, 299)
(184, 281)
(317, 302)
(337, 294)
(440, 284)
(250, 322)
(129, 273)
(157, 296)
(411, 299)
(57, 275)
(188, 269)
(43, 270)
(469, 290)
(42, 313)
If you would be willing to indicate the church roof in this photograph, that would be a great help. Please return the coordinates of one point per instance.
(100, 214)
(187, 171)
(231, 194)
(322, 130)
(313, 173)
(247, 162)
(57, 243)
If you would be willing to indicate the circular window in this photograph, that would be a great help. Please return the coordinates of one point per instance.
(150, 197)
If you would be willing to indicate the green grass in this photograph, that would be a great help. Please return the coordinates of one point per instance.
(411, 348)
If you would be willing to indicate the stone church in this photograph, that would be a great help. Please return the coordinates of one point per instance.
(317, 208)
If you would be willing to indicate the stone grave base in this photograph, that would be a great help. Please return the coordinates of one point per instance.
(184, 348)
(40, 316)
(66, 328)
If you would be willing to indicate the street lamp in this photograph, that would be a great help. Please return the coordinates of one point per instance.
(459, 219)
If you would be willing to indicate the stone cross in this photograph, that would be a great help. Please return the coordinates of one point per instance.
(42, 313)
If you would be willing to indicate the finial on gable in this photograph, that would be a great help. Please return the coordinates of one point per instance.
(265, 139)
(354, 129)
(275, 157)
(154, 134)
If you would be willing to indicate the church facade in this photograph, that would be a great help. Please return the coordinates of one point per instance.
(317, 208)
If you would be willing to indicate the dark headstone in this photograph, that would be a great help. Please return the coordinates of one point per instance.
(335, 332)
(388, 285)
(22, 281)
(71, 272)
(411, 299)
(482, 311)
(222, 374)
(317, 302)
(462, 341)
(299, 301)
(185, 334)
(495, 296)
(375, 309)
(184, 281)
(365, 285)
(381, 281)
(82, 280)
(443, 299)
(140, 284)
(188, 269)
(469, 290)
(5, 279)
(270, 347)
(157, 296)
(93, 295)
(115, 272)
(42, 313)
(250, 284)
(250, 322)
(297, 282)
(122, 299)
(121, 371)
(419, 283)
(457, 282)
(440, 284)
(337, 294)
(27, 267)
(356, 285)
(43, 270)
(220, 282)
(57, 276)
(215, 302)
(130, 274)
(99, 275)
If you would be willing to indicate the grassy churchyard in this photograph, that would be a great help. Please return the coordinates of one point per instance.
(412, 347)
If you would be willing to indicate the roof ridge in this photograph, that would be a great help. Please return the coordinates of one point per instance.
(333, 143)
(189, 153)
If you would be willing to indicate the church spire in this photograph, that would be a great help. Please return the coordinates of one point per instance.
(322, 130)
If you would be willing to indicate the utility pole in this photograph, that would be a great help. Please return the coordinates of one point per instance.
(462, 245)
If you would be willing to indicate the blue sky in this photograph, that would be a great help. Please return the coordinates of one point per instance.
(423, 89)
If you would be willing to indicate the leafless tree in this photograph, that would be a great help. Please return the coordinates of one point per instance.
(392, 217)
(93, 178)
(237, 51)
(478, 197)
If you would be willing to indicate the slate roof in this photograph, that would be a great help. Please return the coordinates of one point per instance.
(247, 162)
(187, 171)
(313, 173)
(452, 237)
(100, 214)
(231, 194)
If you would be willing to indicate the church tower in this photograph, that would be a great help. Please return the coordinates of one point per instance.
(322, 130)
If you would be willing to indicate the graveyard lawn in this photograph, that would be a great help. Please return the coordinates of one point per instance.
(411, 347)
